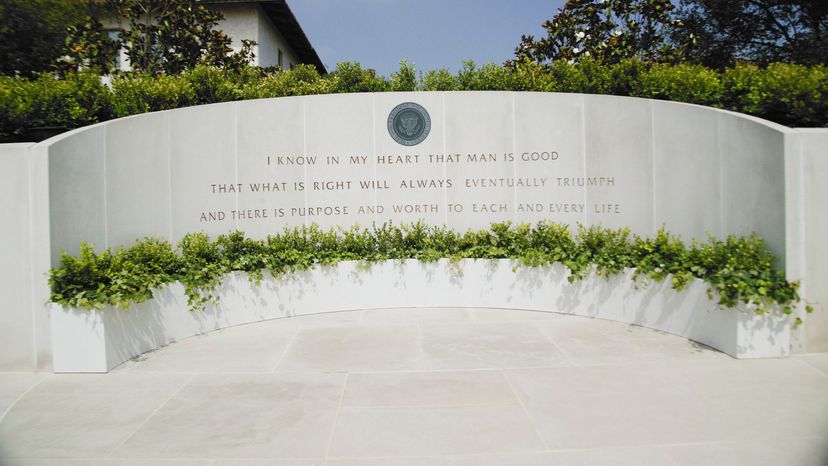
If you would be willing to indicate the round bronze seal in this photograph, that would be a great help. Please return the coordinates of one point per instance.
(409, 124)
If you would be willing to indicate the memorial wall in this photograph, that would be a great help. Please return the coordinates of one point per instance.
(463, 159)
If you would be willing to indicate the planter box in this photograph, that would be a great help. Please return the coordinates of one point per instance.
(98, 340)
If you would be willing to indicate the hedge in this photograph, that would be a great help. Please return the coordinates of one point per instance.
(737, 269)
(792, 95)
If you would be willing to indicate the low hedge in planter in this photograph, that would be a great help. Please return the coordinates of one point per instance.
(737, 269)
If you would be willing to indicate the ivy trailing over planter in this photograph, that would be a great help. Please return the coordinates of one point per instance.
(737, 269)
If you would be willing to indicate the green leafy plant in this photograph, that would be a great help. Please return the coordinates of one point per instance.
(610, 30)
(171, 37)
(682, 83)
(135, 93)
(794, 95)
(736, 269)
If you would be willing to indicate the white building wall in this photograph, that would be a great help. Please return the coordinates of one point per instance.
(251, 22)
(244, 21)
(270, 42)
(240, 22)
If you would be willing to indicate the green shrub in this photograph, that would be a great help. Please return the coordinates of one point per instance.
(609, 251)
(404, 79)
(141, 93)
(438, 80)
(740, 267)
(11, 118)
(523, 76)
(661, 256)
(489, 77)
(530, 76)
(681, 83)
(211, 84)
(625, 76)
(587, 77)
(83, 281)
(77, 100)
(794, 95)
(737, 269)
(742, 85)
(302, 80)
(351, 77)
(120, 279)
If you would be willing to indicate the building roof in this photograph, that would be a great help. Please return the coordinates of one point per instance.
(281, 16)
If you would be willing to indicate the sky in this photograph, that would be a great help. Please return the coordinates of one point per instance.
(431, 34)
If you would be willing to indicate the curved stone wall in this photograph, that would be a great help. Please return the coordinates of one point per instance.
(346, 159)
(261, 165)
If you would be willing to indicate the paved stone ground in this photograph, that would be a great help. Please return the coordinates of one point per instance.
(418, 387)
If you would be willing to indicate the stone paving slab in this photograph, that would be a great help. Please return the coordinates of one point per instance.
(13, 385)
(424, 387)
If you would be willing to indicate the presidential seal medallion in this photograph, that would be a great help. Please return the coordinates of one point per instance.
(409, 124)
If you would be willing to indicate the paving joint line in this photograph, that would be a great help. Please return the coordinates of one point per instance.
(150, 415)
(809, 365)
(525, 410)
(566, 356)
(336, 419)
(281, 357)
(16, 400)
(423, 365)
(494, 404)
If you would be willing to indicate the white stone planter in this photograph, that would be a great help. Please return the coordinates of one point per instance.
(98, 340)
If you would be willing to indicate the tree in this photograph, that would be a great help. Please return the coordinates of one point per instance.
(714, 33)
(88, 46)
(718, 33)
(163, 36)
(606, 30)
(32, 33)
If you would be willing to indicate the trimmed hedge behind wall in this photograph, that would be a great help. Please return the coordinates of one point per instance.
(792, 95)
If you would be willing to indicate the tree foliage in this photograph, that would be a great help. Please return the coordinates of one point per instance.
(714, 33)
(88, 47)
(606, 30)
(32, 33)
(158, 36)
(718, 33)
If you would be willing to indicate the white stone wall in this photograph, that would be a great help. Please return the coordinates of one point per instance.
(17, 332)
(695, 170)
(809, 231)
(692, 169)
